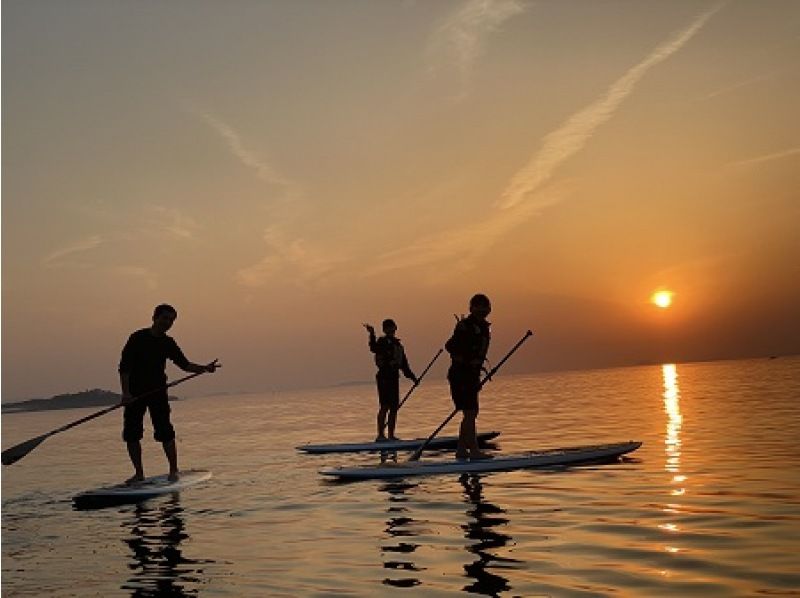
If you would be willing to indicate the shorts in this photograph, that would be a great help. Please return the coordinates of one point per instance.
(388, 391)
(464, 387)
(133, 418)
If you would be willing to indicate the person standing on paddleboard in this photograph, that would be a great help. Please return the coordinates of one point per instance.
(142, 371)
(390, 357)
(468, 348)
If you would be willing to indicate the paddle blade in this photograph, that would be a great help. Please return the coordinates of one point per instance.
(15, 453)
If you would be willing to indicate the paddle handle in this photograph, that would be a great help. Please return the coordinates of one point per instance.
(419, 379)
(493, 371)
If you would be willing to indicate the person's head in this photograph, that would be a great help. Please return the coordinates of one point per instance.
(163, 317)
(480, 306)
(389, 327)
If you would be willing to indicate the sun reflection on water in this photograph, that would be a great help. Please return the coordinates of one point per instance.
(672, 407)
(672, 442)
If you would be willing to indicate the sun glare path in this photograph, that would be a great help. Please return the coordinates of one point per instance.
(662, 299)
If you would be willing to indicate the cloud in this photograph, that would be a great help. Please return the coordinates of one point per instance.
(462, 36)
(531, 190)
(263, 170)
(56, 258)
(146, 275)
(296, 256)
(467, 243)
(766, 158)
(739, 85)
(572, 136)
(173, 222)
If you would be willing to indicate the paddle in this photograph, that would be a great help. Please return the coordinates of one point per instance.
(17, 452)
(419, 380)
(418, 453)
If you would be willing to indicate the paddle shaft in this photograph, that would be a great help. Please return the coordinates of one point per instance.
(18, 451)
(118, 405)
(418, 453)
(419, 380)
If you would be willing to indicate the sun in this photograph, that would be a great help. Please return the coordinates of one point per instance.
(662, 299)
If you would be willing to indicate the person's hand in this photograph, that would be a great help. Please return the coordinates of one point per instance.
(370, 329)
(126, 398)
(416, 381)
(212, 367)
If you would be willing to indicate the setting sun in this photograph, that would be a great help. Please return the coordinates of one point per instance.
(662, 299)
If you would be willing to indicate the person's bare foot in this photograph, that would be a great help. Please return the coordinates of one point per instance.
(173, 476)
(134, 479)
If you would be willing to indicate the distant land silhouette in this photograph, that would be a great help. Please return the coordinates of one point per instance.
(87, 398)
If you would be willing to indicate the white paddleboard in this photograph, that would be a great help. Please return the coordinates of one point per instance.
(544, 458)
(390, 445)
(139, 491)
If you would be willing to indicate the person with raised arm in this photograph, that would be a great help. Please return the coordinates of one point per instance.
(390, 357)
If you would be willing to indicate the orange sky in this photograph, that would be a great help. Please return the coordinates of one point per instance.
(282, 172)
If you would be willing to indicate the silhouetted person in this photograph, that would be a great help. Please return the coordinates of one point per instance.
(390, 359)
(141, 370)
(468, 347)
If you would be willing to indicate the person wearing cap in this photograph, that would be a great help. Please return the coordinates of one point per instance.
(468, 347)
(390, 357)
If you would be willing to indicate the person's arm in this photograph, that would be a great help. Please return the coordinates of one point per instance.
(179, 359)
(407, 369)
(373, 341)
(125, 364)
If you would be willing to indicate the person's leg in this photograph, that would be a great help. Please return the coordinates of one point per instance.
(392, 422)
(132, 432)
(171, 451)
(163, 431)
(382, 411)
(457, 395)
(393, 401)
(469, 432)
(135, 453)
(469, 423)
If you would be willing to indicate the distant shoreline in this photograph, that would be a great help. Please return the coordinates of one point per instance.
(96, 397)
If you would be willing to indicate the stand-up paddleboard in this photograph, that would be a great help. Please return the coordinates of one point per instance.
(546, 458)
(390, 445)
(139, 491)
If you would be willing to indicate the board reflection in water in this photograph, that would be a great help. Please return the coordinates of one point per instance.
(157, 530)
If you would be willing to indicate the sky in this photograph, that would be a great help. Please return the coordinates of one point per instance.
(282, 172)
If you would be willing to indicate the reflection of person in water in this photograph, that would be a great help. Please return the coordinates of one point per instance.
(485, 516)
(399, 525)
(159, 567)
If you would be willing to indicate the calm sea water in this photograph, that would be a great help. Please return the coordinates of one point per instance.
(709, 506)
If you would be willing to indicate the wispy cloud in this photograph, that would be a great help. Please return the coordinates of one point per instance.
(572, 136)
(146, 275)
(461, 38)
(57, 258)
(250, 158)
(738, 85)
(766, 158)
(462, 246)
(531, 189)
(172, 221)
(297, 257)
